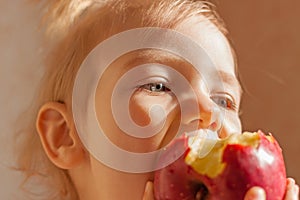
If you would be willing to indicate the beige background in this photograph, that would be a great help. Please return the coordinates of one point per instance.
(266, 37)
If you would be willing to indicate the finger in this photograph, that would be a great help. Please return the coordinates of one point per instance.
(292, 190)
(255, 193)
(149, 192)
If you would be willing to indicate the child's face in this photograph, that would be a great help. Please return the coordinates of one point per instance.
(217, 98)
(157, 87)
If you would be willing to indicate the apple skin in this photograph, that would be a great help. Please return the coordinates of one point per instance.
(243, 166)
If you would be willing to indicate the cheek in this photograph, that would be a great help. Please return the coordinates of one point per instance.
(140, 106)
(139, 110)
(141, 103)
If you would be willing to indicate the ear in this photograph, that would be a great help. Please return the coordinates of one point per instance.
(58, 136)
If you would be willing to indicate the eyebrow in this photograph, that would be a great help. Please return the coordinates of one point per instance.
(226, 77)
(230, 79)
(149, 54)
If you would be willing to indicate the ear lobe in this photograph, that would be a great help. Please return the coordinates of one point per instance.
(58, 135)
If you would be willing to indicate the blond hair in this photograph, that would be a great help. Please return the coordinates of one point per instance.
(74, 28)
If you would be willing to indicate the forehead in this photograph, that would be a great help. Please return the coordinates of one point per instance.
(210, 38)
(198, 28)
(207, 35)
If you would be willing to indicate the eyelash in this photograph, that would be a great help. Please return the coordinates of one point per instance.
(151, 87)
(221, 99)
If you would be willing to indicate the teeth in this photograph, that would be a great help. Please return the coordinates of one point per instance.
(203, 133)
(202, 141)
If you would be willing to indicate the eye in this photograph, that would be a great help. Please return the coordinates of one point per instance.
(225, 101)
(155, 87)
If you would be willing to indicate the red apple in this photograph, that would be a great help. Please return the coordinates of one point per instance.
(230, 168)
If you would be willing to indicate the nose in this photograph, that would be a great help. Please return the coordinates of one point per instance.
(207, 116)
(210, 117)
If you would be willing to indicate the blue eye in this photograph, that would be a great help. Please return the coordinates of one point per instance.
(224, 101)
(155, 87)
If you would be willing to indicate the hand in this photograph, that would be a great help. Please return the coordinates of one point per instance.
(292, 192)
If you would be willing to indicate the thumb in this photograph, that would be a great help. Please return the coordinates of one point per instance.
(255, 193)
(149, 192)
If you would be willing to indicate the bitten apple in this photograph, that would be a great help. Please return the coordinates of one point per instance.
(230, 168)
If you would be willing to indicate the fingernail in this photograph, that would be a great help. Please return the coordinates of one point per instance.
(290, 181)
(148, 188)
(259, 194)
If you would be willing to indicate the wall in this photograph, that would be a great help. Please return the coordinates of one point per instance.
(266, 39)
(19, 74)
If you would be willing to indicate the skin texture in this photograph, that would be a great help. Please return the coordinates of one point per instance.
(94, 180)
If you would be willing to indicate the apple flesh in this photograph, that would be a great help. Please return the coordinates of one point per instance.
(230, 168)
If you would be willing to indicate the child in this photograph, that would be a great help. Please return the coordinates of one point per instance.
(139, 101)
